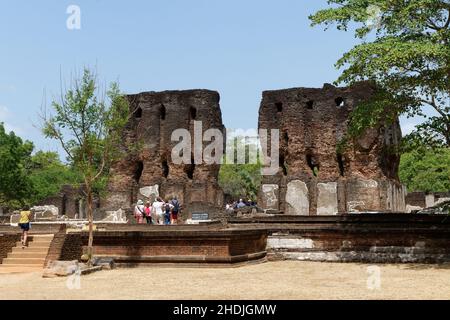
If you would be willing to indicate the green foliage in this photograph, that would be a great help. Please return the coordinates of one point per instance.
(49, 174)
(15, 184)
(89, 127)
(241, 180)
(409, 60)
(426, 169)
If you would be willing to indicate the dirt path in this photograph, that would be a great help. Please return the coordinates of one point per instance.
(274, 280)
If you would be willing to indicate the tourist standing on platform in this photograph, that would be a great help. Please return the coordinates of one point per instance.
(157, 210)
(241, 204)
(148, 213)
(139, 212)
(175, 210)
(24, 224)
(167, 208)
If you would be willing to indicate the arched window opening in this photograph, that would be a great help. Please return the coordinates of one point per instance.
(341, 165)
(340, 102)
(193, 113)
(312, 165)
(189, 169)
(286, 137)
(138, 113)
(162, 112)
(165, 168)
(283, 165)
(279, 106)
(138, 171)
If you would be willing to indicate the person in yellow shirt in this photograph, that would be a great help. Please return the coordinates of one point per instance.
(24, 224)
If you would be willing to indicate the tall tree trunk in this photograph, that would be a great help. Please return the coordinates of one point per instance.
(91, 224)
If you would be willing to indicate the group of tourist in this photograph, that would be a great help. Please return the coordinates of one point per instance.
(159, 212)
(233, 205)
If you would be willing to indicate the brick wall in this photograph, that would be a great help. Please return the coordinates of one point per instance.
(416, 199)
(7, 242)
(374, 238)
(72, 248)
(198, 245)
(54, 252)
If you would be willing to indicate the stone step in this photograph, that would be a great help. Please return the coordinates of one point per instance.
(24, 261)
(35, 249)
(42, 242)
(24, 254)
(35, 244)
(41, 236)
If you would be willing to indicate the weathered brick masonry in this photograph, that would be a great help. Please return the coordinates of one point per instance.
(7, 242)
(56, 246)
(316, 176)
(156, 115)
(204, 245)
(380, 238)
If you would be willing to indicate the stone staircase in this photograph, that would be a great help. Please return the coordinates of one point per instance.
(30, 258)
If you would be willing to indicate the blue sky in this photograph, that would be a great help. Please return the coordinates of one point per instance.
(238, 48)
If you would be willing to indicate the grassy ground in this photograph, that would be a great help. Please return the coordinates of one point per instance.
(273, 280)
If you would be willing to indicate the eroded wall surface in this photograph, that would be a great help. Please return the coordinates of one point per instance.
(150, 171)
(315, 177)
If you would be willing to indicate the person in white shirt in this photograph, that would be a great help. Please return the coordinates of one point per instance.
(158, 210)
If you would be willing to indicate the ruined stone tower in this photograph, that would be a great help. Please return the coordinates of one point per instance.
(150, 171)
(313, 178)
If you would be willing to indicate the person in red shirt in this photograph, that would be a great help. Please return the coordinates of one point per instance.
(148, 212)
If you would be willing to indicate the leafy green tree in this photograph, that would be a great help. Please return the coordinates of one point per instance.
(89, 125)
(408, 59)
(15, 184)
(425, 169)
(48, 174)
(241, 180)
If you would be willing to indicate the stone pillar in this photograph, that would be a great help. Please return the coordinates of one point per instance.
(297, 198)
(429, 200)
(327, 202)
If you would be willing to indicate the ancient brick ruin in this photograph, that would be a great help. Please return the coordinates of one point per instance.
(313, 178)
(150, 172)
(69, 201)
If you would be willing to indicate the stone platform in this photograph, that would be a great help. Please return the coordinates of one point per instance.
(370, 238)
(133, 245)
(373, 238)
